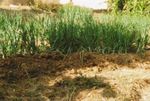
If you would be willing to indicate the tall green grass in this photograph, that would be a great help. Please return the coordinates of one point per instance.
(72, 29)
(21, 33)
(129, 32)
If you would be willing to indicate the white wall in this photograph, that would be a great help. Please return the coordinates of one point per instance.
(94, 4)
(64, 1)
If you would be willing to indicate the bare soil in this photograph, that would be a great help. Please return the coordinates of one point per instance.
(75, 77)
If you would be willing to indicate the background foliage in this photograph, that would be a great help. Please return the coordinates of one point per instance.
(134, 6)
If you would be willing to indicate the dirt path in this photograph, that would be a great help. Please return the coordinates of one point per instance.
(75, 77)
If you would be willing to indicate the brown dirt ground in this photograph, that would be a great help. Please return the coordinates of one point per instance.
(75, 77)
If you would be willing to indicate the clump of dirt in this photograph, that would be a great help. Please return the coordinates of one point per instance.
(43, 76)
(18, 67)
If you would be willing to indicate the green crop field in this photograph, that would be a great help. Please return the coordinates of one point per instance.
(72, 29)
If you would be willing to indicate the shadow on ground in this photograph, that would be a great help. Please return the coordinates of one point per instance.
(20, 76)
(68, 89)
(64, 90)
(54, 64)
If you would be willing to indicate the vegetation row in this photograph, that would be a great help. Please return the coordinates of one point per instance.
(72, 29)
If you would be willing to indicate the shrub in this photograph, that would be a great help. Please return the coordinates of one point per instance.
(134, 6)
